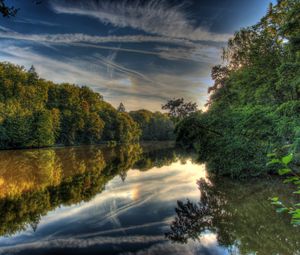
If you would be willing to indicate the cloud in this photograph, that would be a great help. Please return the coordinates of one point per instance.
(198, 53)
(131, 195)
(5, 29)
(110, 59)
(128, 85)
(65, 70)
(156, 244)
(153, 16)
(73, 242)
(36, 22)
(171, 59)
(90, 71)
(153, 94)
(160, 185)
(85, 71)
(120, 68)
(207, 245)
(80, 37)
(124, 81)
(187, 51)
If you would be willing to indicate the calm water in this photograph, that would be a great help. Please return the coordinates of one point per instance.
(134, 200)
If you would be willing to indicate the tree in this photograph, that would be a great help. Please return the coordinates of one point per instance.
(154, 126)
(32, 75)
(11, 11)
(42, 127)
(18, 130)
(178, 109)
(219, 74)
(7, 11)
(121, 108)
(227, 209)
(36, 113)
(253, 105)
(127, 129)
(93, 128)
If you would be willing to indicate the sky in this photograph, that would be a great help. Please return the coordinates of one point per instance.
(139, 52)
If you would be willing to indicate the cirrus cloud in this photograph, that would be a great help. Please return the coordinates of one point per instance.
(154, 17)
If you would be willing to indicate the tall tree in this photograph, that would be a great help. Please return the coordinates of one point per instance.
(32, 75)
(7, 11)
(121, 108)
(11, 11)
(178, 109)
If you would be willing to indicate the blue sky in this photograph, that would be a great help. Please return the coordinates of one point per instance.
(138, 52)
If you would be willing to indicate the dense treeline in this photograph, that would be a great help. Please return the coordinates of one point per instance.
(154, 125)
(36, 113)
(254, 103)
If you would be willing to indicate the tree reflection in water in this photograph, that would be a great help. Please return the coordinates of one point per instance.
(34, 182)
(240, 215)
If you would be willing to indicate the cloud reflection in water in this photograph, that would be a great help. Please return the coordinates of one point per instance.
(126, 214)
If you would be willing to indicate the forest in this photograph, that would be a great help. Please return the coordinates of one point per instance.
(38, 113)
(252, 110)
(253, 107)
(92, 167)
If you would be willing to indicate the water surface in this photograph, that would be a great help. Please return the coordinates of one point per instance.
(134, 199)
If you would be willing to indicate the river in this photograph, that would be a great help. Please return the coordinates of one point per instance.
(135, 199)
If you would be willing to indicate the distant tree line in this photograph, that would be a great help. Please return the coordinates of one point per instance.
(36, 113)
(155, 125)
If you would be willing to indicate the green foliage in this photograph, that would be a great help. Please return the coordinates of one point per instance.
(232, 142)
(286, 168)
(38, 113)
(155, 126)
(254, 103)
(42, 129)
(178, 109)
(127, 129)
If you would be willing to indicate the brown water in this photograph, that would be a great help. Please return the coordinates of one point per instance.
(134, 199)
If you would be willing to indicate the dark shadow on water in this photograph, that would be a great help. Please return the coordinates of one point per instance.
(240, 215)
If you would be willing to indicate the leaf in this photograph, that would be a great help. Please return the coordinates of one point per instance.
(273, 161)
(280, 210)
(295, 222)
(274, 199)
(296, 214)
(297, 192)
(271, 155)
(290, 179)
(284, 171)
(287, 159)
